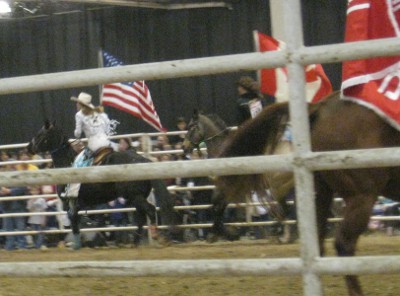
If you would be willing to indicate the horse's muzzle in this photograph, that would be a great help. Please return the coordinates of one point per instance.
(30, 148)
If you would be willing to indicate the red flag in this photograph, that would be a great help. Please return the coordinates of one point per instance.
(275, 81)
(132, 97)
(374, 82)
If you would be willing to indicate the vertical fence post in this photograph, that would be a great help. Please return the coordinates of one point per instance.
(305, 197)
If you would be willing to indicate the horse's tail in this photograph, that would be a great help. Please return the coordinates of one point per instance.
(255, 137)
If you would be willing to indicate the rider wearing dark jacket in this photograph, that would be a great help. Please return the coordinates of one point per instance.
(249, 93)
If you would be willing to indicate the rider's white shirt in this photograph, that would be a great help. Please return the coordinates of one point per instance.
(97, 127)
(92, 125)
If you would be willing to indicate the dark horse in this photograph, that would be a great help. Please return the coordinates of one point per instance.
(335, 125)
(213, 131)
(50, 138)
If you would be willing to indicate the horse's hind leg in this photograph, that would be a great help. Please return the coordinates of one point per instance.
(218, 208)
(324, 198)
(140, 218)
(356, 217)
(145, 208)
(75, 221)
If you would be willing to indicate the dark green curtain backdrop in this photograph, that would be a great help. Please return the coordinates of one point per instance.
(71, 41)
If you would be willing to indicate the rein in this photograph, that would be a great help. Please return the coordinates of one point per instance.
(216, 135)
(197, 145)
(65, 145)
(62, 147)
(210, 138)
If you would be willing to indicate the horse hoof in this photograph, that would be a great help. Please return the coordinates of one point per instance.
(76, 247)
(164, 241)
(212, 238)
(233, 237)
(231, 234)
(77, 242)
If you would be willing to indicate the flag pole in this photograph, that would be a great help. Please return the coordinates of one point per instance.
(257, 49)
(100, 64)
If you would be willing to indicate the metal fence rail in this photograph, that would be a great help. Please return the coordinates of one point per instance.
(302, 161)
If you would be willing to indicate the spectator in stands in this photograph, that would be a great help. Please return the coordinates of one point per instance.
(37, 222)
(181, 125)
(4, 156)
(14, 242)
(198, 197)
(167, 157)
(162, 143)
(48, 165)
(118, 219)
(125, 144)
(24, 156)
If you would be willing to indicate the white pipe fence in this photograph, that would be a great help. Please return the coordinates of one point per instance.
(302, 161)
(202, 66)
(206, 267)
(247, 205)
(383, 157)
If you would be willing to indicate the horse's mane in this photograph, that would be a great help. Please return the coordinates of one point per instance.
(217, 120)
(252, 138)
(261, 134)
(257, 137)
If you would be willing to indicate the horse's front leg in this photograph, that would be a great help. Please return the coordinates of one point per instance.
(150, 210)
(217, 210)
(143, 209)
(140, 219)
(75, 222)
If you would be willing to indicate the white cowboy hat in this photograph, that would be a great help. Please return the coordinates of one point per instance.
(84, 99)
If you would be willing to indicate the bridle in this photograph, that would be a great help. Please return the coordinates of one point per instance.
(216, 135)
(62, 145)
(197, 144)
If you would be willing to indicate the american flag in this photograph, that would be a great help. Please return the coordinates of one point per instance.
(132, 97)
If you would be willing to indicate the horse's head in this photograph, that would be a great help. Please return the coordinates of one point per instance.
(48, 138)
(195, 134)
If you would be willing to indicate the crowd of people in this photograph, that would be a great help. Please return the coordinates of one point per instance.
(92, 122)
(21, 205)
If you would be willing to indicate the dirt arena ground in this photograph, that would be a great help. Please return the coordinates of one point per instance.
(377, 244)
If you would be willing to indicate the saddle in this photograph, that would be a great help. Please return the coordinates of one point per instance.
(100, 154)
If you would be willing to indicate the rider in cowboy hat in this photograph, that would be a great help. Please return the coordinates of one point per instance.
(97, 127)
(93, 122)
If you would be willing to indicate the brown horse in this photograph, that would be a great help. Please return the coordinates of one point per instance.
(335, 125)
(212, 130)
(208, 129)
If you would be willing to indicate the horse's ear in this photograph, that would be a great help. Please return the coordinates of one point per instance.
(48, 124)
(195, 114)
